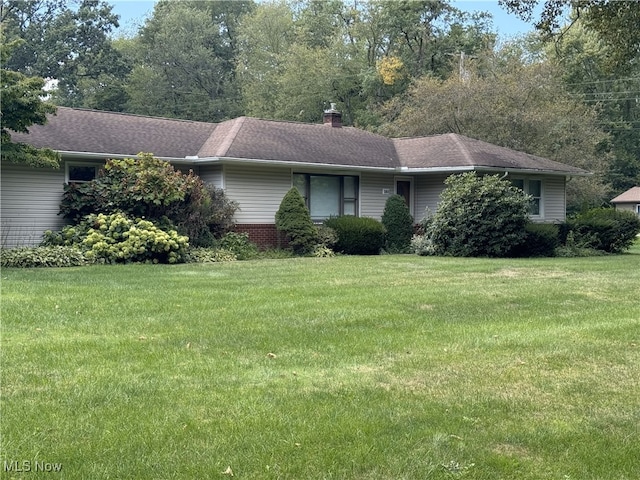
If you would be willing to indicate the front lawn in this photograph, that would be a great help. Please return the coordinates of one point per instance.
(389, 367)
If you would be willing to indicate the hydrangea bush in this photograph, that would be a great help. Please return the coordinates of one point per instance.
(116, 238)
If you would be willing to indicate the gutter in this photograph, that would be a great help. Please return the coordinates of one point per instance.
(104, 156)
(507, 171)
(286, 163)
(195, 160)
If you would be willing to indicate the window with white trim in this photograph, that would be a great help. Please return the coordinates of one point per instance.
(328, 195)
(81, 172)
(533, 188)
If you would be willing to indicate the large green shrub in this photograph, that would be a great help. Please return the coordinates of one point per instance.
(141, 187)
(478, 216)
(604, 229)
(294, 221)
(149, 188)
(398, 223)
(116, 238)
(82, 199)
(205, 215)
(357, 235)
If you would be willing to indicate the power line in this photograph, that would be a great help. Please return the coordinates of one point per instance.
(636, 79)
(596, 100)
(628, 92)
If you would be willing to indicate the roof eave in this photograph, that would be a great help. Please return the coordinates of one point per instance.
(480, 168)
(535, 171)
(195, 160)
(290, 163)
(71, 155)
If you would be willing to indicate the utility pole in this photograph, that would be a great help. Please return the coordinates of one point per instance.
(462, 71)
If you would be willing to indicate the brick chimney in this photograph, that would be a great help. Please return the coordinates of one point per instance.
(332, 117)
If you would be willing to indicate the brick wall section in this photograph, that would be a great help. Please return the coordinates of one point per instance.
(263, 235)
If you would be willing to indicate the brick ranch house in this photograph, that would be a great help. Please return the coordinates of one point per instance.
(339, 170)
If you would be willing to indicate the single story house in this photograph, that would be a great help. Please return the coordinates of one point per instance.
(339, 170)
(629, 200)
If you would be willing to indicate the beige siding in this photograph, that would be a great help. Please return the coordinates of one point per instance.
(31, 197)
(30, 203)
(212, 174)
(258, 191)
(553, 200)
(372, 198)
(428, 190)
(627, 207)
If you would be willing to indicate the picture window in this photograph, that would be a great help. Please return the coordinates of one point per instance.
(328, 195)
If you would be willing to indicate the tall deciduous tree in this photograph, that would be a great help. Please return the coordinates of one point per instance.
(68, 42)
(525, 107)
(265, 37)
(188, 61)
(586, 70)
(616, 22)
(297, 57)
(22, 106)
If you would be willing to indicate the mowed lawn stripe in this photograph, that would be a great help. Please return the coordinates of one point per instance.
(347, 367)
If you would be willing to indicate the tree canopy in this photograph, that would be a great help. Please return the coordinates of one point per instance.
(615, 22)
(521, 106)
(568, 92)
(22, 107)
(69, 42)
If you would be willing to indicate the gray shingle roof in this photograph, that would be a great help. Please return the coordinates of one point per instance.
(251, 138)
(451, 150)
(92, 131)
(108, 133)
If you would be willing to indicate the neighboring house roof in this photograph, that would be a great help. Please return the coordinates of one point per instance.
(251, 139)
(630, 196)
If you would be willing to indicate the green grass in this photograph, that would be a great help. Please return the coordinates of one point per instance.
(391, 367)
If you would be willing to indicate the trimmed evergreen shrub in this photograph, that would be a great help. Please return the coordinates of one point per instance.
(357, 235)
(294, 220)
(482, 216)
(541, 240)
(398, 223)
(604, 229)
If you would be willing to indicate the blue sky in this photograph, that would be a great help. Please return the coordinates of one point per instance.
(133, 12)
